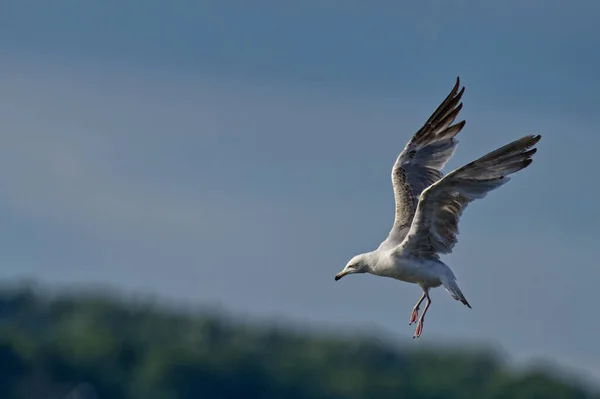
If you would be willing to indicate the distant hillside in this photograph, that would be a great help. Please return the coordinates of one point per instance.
(121, 349)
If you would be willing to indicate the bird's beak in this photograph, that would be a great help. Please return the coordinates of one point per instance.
(340, 275)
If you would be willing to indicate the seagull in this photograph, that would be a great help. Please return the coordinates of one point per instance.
(429, 204)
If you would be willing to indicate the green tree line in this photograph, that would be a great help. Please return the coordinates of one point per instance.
(101, 347)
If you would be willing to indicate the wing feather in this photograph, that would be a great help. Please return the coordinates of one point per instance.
(434, 229)
(419, 164)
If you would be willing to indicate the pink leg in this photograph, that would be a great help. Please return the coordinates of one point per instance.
(419, 328)
(415, 311)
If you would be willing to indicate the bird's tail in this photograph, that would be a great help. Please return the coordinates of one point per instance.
(449, 282)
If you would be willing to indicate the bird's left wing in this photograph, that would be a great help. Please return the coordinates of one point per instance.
(434, 228)
(419, 164)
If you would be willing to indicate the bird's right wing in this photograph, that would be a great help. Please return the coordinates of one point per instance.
(419, 164)
(434, 228)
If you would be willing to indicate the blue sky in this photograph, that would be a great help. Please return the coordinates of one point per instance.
(238, 155)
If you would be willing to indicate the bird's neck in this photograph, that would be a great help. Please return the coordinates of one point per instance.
(379, 264)
(372, 261)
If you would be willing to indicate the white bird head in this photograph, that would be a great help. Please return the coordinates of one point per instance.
(358, 264)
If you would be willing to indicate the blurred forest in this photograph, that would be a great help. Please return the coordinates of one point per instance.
(97, 346)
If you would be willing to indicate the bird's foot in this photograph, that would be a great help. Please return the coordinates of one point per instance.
(413, 316)
(419, 329)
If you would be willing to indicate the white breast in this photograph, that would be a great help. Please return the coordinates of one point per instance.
(410, 270)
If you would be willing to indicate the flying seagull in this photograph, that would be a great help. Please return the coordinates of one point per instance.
(429, 204)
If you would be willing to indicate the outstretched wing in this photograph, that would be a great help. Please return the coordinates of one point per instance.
(435, 226)
(419, 164)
